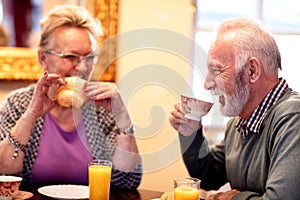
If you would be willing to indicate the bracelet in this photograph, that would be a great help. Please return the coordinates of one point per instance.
(127, 131)
(14, 142)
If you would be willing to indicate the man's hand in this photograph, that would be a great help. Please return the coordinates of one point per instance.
(223, 195)
(183, 125)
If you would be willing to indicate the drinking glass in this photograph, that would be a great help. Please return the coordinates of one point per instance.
(186, 188)
(99, 179)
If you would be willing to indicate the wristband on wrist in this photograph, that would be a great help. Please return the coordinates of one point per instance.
(16, 145)
(127, 131)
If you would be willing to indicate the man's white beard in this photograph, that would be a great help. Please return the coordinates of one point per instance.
(235, 103)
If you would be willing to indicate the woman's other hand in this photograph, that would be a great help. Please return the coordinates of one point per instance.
(41, 103)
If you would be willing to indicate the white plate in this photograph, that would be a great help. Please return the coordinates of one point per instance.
(65, 191)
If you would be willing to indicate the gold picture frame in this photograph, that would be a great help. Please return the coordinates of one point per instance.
(22, 63)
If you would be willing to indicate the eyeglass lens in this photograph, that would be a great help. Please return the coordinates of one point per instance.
(75, 60)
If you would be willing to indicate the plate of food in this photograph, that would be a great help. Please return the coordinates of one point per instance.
(65, 191)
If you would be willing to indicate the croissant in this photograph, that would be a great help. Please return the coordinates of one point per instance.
(169, 195)
(71, 94)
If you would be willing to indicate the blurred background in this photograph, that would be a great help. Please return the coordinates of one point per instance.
(160, 54)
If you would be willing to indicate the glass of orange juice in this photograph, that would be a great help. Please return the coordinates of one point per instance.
(99, 179)
(186, 188)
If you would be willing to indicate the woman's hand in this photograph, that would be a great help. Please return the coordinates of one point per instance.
(106, 94)
(41, 103)
(183, 125)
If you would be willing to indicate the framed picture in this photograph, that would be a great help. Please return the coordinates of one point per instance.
(22, 63)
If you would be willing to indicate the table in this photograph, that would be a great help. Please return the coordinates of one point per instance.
(114, 194)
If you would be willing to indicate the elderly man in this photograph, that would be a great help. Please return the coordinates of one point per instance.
(259, 155)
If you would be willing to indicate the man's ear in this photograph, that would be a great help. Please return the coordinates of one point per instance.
(42, 59)
(254, 69)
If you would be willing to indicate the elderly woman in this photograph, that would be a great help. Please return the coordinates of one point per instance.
(44, 142)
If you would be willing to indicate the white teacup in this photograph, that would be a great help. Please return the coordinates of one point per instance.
(8, 186)
(195, 108)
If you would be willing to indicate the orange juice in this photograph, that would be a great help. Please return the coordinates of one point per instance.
(99, 182)
(186, 193)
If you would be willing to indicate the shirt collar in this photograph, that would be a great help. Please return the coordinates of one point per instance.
(253, 123)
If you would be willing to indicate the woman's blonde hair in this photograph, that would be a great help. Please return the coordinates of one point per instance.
(71, 16)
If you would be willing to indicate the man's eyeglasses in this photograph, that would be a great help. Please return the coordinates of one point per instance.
(74, 59)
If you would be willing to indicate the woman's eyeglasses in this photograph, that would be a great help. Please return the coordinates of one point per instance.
(74, 59)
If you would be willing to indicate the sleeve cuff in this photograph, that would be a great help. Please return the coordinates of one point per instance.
(191, 143)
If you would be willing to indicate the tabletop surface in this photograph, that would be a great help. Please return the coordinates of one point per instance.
(114, 194)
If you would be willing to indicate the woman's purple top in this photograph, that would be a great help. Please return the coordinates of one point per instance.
(63, 156)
